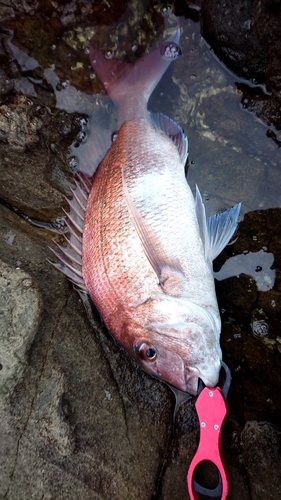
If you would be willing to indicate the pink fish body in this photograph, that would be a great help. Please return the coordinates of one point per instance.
(147, 247)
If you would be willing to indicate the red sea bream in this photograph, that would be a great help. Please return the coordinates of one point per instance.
(140, 244)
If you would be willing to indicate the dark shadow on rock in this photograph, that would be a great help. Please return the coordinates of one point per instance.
(246, 37)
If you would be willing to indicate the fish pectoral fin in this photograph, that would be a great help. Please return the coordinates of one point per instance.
(172, 281)
(217, 231)
(173, 131)
(169, 273)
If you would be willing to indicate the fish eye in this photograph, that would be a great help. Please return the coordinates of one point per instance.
(147, 352)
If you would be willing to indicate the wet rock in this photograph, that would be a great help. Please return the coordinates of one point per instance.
(6, 85)
(261, 443)
(25, 127)
(247, 38)
(20, 316)
(232, 28)
(18, 128)
(258, 238)
(255, 391)
(183, 447)
(82, 418)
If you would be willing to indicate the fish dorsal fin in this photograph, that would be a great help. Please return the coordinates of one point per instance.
(170, 275)
(217, 231)
(173, 131)
(70, 256)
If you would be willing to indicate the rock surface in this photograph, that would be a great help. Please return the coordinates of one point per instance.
(20, 315)
(256, 437)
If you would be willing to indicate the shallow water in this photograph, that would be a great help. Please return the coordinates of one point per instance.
(231, 160)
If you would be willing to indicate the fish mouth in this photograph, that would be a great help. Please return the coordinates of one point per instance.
(209, 377)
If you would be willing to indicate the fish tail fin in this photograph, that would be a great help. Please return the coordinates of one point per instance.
(123, 80)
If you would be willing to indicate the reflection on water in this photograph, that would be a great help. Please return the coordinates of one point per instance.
(255, 264)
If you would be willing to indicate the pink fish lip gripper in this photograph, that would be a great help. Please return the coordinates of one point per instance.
(212, 409)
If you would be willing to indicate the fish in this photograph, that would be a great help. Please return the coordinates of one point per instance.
(140, 244)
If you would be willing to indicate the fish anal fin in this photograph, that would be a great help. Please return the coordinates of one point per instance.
(221, 228)
(173, 131)
(217, 231)
(202, 221)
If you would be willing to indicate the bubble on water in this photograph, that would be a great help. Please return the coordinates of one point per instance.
(134, 47)
(87, 50)
(259, 328)
(237, 336)
(93, 76)
(73, 162)
(83, 123)
(114, 136)
(59, 223)
(109, 54)
(81, 136)
(62, 85)
(193, 76)
(53, 47)
(166, 10)
(170, 50)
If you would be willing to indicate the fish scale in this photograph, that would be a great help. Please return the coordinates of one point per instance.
(164, 199)
(113, 259)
